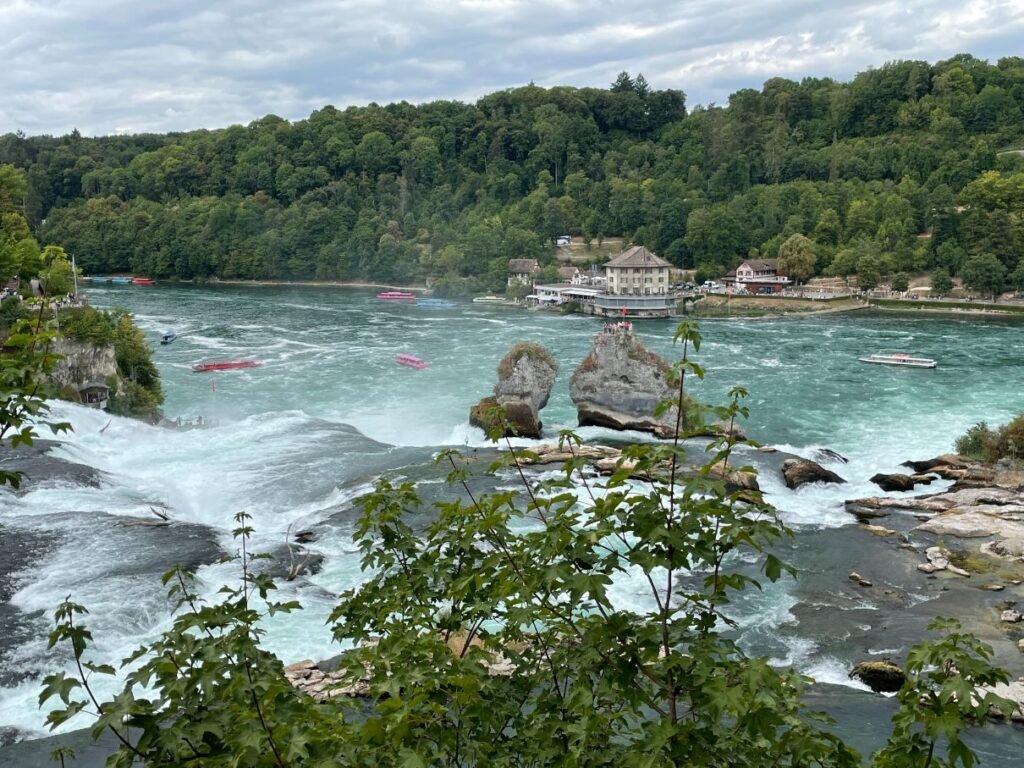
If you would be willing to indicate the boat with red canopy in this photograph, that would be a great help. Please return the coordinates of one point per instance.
(396, 296)
(224, 365)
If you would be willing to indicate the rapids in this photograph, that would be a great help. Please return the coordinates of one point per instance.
(294, 441)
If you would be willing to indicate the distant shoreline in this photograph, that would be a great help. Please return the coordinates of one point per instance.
(308, 284)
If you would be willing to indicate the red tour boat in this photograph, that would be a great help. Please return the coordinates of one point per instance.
(224, 365)
(143, 281)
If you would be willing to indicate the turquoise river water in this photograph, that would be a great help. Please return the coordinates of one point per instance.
(295, 440)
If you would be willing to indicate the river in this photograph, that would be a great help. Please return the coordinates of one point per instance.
(293, 441)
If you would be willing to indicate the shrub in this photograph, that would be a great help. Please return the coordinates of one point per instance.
(982, 443)
(529, 349)
(977, 442)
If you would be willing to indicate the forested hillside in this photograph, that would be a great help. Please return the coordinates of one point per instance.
(904, 168)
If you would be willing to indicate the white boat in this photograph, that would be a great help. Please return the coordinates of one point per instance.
(489, 300)
(901, 359)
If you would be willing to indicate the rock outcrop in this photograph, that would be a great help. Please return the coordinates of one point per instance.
(946, 460)
(797, 472)
(82, 363)
(620, 384)
(525, 377)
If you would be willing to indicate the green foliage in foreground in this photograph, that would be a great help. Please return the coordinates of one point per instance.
(25, 363)
(524, 580)
(990, 445)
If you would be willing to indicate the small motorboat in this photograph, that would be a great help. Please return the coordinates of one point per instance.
(396, 296)
(411, 361)
(121, 280)
(434, 303)
(224, 365)
(168, 336)
(900, 359)
(143, 281)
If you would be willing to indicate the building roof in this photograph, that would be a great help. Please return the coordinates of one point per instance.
(761, 265)
(522, 266)
(94, 385)
(568, 272)
(637, 256)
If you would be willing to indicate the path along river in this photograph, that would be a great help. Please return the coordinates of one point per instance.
(293, 441)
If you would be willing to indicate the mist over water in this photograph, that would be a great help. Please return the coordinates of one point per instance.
(294, 441)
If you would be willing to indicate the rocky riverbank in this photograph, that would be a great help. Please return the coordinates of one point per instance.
(969, 538)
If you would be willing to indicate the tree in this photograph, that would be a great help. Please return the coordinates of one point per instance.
(985, 274)
(900, 282)
(942, 283)
(869, 272)
(1016, 278)
(57, 274)
(796, 258)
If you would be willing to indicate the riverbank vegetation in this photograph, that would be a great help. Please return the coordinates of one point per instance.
(899, 170)
(1005, 443)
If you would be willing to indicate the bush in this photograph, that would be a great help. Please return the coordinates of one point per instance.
(984, 444)
(977, 442)
(88, 324)
(529, 349)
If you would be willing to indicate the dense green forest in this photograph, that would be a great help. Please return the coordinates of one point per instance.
(908, 167)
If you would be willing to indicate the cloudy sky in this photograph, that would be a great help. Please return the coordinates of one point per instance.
(106, 66)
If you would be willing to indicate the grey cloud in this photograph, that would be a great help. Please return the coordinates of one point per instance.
(112, 65)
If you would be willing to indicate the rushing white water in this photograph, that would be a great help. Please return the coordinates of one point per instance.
(294, 441)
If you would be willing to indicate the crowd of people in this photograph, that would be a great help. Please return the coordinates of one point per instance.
(623, 326)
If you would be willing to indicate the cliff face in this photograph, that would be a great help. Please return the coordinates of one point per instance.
(619, 385)
(82, 363)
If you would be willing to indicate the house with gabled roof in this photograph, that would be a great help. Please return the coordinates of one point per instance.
(636, 284)
(757, 276)
(522, 271)
(637, 272)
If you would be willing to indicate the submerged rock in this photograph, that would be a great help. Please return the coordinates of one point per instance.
(620, 384)
(525, 377)
(880, 676)
(797, 472)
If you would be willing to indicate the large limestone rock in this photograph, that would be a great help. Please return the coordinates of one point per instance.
(81, 363)
(620, 384)
(797, 472)
(525, 377)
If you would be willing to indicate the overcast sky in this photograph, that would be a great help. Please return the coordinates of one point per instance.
(108, 66)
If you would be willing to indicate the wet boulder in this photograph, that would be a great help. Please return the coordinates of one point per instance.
(881, 676)
(797, 472)
(894, 482)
